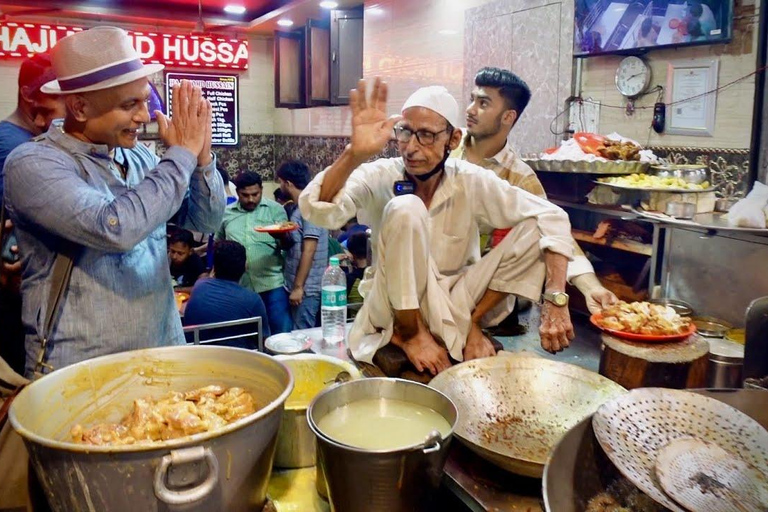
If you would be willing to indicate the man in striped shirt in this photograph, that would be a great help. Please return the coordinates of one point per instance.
(496, 103)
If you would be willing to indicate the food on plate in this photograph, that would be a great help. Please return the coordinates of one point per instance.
(175, 415)
(617, 150)
(643, 318)
(382, 424)
(651, 181)
(181, 298)
(280, 226)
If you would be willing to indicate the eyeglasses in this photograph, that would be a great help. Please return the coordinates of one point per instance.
(425, 137)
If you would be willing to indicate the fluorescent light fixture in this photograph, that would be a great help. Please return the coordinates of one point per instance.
(285, 22)
(376, 11)
(447, 32)
(329, 5)
(234, 9)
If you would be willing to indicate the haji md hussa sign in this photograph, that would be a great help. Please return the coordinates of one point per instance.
(19, 40)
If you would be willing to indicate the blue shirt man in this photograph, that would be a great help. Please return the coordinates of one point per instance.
(307, 256)
(86, 187)
(220, 298)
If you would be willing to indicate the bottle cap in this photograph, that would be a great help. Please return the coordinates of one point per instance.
(334, 261)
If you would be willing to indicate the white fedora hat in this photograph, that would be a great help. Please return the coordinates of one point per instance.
(96, 59)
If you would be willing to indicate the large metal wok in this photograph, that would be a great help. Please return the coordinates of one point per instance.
(578, 469)
(514, 408)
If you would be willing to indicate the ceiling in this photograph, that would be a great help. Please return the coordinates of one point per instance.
(260, 16)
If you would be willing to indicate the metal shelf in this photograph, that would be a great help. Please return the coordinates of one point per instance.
(615, 243)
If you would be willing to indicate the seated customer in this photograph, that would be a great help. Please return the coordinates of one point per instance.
(220, 298)
(357, 246)
(186, 266)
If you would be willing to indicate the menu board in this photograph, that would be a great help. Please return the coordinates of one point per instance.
(222, 92)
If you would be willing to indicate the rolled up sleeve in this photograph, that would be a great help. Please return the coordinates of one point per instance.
(503, 206)
(45, 190)
(332, 215)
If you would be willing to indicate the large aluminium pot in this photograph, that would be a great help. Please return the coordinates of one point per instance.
(399, 480)
(578, 469)
(228, 469)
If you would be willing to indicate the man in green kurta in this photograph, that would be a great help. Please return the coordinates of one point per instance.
(264, 257)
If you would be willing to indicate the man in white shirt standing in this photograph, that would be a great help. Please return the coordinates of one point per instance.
(430, 292)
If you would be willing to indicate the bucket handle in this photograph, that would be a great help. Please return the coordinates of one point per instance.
(181, 457)
(432, 443)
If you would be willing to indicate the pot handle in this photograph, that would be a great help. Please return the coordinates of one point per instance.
(432, 443)
(181, 457)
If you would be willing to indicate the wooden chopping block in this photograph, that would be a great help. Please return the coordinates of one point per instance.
(677, 365)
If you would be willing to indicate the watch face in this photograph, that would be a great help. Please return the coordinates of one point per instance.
(561, 299)
(632, 76)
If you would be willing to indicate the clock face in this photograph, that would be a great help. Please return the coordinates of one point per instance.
(632, 76)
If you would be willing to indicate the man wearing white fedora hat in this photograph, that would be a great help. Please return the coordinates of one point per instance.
(431, 292)
(87, 189)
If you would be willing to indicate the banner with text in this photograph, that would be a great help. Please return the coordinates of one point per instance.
(222, 91)
(20, 40)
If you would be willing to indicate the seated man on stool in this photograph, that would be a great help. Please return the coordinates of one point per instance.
(430, 292)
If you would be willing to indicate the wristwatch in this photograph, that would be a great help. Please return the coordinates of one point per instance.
(559, 299)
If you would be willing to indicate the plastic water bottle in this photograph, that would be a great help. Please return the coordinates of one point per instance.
(333, 303)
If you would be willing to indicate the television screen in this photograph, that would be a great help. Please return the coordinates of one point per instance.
(620, 26)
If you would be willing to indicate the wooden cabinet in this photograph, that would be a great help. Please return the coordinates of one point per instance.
(346, 52)
(289, 69)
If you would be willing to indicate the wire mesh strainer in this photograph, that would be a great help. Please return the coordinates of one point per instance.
(632, 428)
(700, 475)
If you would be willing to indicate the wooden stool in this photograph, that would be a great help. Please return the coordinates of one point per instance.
(677, 365)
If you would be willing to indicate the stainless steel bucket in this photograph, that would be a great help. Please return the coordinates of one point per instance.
(382, 481)
(228, 469)
(726, 364)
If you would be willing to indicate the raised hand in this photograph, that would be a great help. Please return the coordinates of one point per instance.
(371, 128)
(191, 119)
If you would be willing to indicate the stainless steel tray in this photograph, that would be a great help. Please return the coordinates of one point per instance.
(650, 189)
(716, 221)
(584, 167)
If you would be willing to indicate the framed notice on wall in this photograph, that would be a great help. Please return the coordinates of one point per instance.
(690, 102)
(222, 92)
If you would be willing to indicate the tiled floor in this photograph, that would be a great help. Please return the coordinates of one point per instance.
(584, 350)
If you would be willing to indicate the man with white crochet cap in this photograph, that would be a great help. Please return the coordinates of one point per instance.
(88, 190)
(430, 292)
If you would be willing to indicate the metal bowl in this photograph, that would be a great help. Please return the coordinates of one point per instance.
(680, 209)
(287, 343)
(690, 173)
(681, 308)
(711, 327)
(725, 204)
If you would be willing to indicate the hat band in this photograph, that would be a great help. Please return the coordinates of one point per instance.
(100, 75)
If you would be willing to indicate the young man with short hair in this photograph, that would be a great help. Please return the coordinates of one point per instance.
(307, 258)
(186, 266)
(496, 103)
(264, 263)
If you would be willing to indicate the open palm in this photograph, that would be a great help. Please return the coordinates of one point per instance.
(371, 128)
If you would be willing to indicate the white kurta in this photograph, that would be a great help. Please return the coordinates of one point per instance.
(468, 197)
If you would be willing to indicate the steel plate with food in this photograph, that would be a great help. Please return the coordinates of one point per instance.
(280, 227)
(643, 321)
(654, 183)
(181, 452)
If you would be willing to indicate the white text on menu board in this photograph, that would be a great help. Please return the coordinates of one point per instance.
(221, 92)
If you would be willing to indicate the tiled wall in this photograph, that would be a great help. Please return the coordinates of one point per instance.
(263, 153)
(733, 122)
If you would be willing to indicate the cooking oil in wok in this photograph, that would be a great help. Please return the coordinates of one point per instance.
(382, 424)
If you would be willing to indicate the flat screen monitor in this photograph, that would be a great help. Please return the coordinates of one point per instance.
(625, 27)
